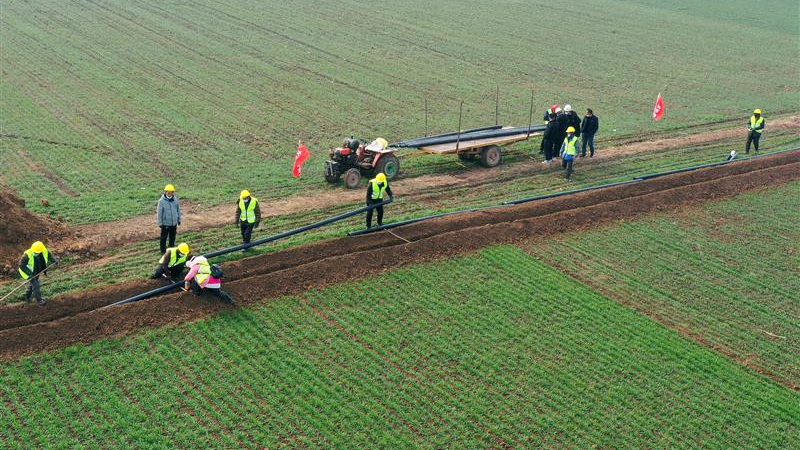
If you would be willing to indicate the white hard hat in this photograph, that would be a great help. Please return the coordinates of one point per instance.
(733, 152)
(567, 108)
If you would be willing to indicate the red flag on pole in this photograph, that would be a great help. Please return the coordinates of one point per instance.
(658, 110)
(300, 158)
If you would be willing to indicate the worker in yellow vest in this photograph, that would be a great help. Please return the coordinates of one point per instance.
(248, 215)
(377, 189)
(204, 277)
(568, 151)
(34, 262)
(173, 261)
(755, 127)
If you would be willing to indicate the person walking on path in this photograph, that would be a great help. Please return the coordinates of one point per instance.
(168, 217)
(203, 277)
(550, 141)
(589, 127)
(35, 261)
(755, 127)
(377, 188)
(173, 261)
(248, 215)
(569, 151)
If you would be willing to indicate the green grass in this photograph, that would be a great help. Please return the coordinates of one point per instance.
(725, 272)
(466, 353)
(213, 96)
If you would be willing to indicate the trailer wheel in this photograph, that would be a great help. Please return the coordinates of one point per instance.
(389, 165)
(491, 156)
(466, 156)
(352, 178)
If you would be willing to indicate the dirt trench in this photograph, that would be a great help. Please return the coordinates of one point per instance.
(71, 319)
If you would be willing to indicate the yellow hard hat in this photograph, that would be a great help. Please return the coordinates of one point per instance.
(183, 247)
(169, 188)
(37, 247)
(380, 178)
(571, 130)
(245, 193)
(757, 111)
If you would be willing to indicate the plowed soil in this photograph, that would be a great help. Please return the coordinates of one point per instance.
(26, 329)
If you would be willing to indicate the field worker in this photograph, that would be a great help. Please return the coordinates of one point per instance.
(35, 261)
(589, 127)
(573, 120)
(173, 261)
(168, 216)
(550, 142)
(377, 188)
(548, 111)
(569, 149)
(203, 277)
(755, 128)
(248, 215)
(563, 123)
(732, 156)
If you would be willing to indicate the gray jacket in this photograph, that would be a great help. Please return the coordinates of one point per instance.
(168, 211)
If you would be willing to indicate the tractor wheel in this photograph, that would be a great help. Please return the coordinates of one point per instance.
(389, 164)
(491, 156)
(352, 178)
(466, 156)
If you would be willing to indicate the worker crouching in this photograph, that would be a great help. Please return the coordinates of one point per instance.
(203, 277)
(173, 261)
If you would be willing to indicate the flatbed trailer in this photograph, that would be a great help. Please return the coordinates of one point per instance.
(488, 149)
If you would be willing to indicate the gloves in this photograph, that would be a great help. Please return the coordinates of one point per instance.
(185, 287)
(179, 222)
(256, 224)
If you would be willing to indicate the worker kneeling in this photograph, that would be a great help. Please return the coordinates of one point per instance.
(173, 261)
(203, 277)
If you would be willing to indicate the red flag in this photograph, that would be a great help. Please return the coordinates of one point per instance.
(658, 110)
(300, 158)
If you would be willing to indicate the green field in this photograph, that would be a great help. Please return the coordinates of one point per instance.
(490, 350)
(725, 273)
(102, 103)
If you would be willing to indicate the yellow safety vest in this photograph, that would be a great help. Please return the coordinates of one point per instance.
(31, 263)
(755, 123)
(569, 147)
(173, 257)
(377, 192)
(248, 215)
(202, 273)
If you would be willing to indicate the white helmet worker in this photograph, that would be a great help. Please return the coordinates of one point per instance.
(567, 108)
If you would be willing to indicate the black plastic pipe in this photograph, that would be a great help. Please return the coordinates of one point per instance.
(265, 240)
(703, 166)
(467, 136)
(453, 133)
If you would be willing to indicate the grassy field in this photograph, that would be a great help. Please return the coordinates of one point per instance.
(136, 260)
(490, 350)
(102, 103)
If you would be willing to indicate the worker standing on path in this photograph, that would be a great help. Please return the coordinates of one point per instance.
(550, 140)
(377, 188)
(168, 216)
(589, 127)
(755, 128)
(35, 261)
(248, 215)
(203, 277)
(172, 262)
(568, 151)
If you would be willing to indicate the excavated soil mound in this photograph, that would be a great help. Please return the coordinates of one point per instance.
(19, 227)
(25, 329)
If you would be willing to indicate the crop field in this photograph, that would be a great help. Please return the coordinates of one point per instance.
(103, 102)
(490, 350)
(724, 274)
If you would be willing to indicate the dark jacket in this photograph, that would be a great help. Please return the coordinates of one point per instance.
(168, 211)
(573, 121)
(590, 125)
(563, 123)
(551, 131)
(369, 192)
(257, 211)
(39, 264)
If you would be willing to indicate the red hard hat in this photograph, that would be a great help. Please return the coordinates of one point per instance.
(553, 108)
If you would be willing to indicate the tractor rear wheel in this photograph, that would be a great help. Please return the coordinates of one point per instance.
(352, 178)
(491, 156)
(389, 164)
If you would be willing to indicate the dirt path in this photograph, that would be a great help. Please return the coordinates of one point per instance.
(103, 235)
(72, 319)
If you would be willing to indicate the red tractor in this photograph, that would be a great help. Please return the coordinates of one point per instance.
(355, 159)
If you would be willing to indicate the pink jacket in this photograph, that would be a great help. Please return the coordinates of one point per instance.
(209, 282)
